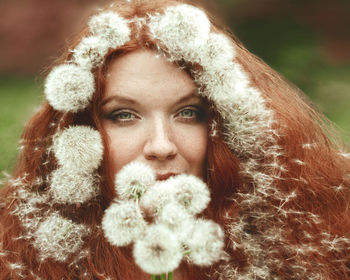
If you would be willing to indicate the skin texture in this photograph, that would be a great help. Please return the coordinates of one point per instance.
(151, 112)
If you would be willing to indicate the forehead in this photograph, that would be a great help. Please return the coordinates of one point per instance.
(143, 74)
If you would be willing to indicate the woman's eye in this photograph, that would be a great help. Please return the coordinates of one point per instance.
(120, 116)
(125, 116)
(188, 113)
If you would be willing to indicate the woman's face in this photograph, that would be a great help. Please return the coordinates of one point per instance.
(152, 113)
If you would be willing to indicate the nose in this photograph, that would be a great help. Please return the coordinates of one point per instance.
(159, 144)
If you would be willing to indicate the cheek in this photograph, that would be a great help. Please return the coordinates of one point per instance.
(121, 150)
(192, 145)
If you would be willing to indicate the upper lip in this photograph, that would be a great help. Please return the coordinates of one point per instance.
(165, 176)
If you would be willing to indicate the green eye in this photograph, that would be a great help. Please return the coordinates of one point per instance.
(188, 113)
(121, 116)
(124, 116)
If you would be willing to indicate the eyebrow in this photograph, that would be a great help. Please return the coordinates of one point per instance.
(118, 98)
(124, 99)
(191, 95)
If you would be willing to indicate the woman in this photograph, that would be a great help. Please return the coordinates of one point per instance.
(164, 85)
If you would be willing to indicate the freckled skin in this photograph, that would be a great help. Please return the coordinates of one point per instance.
(152, 113)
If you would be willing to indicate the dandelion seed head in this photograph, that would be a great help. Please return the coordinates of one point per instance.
(90, 52)
(58, 237)
(190, 192)
(155, 198)
(158, 251)
(111, 27)
(175, 218)
(217, 53)
(69, 88)
(182, 29)
(205, 243)
(73, 187)
(78, 148)
(133, 180)
(122, 223)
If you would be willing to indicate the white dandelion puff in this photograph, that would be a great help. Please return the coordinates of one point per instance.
(73, 187)
(345, 155)
(58, 237)
(229, 87)
(298, 162)
(16, 266)
(190, 192)
(182, 29)
(155, 198)
(309, 146)
(111, 27)
(133, 180)
(175, 218)
(122, 223)
(90, 52)
(158, 251)
(186, 190)
(78, 148)
(205, 243)
(69, 88)
(217, 53)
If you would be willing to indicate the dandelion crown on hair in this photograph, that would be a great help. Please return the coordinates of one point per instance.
(184, 33)
(78, 149)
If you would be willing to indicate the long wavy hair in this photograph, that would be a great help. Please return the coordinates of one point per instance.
(316, 170)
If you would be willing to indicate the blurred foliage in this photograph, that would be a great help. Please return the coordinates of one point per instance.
(18, 100)
(291, 49)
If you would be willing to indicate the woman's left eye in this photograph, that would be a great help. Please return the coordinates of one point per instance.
(188, 113)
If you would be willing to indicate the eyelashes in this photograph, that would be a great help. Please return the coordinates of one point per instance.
(187, 114)
(121, 116)
(191, 114)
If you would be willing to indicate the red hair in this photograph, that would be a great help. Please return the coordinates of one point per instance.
(313, 163)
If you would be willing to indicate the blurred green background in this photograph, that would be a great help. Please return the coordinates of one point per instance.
(308, 41)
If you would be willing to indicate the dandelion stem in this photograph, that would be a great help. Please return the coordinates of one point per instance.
(164, 276)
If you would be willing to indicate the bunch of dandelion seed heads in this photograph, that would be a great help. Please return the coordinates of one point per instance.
(159, 219)
(78, 150)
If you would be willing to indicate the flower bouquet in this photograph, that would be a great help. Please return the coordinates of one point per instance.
(159, 218)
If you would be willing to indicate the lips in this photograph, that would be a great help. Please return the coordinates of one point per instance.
(165, 176)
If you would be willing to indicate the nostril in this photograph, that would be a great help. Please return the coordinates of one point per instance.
(160, 148)
(160, 155)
